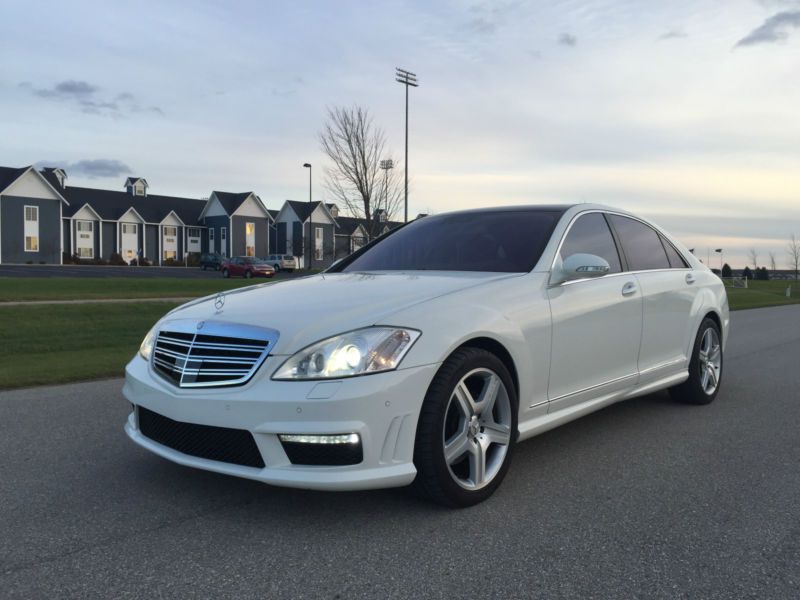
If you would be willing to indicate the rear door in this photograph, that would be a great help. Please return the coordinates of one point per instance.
(668, 293)
(597, 323)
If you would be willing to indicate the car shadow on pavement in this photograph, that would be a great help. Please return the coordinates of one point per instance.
(551, 461)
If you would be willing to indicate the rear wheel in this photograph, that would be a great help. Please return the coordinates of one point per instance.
(248, 274)
(466, 430)
(705, 368)
(277, 267)
(226, 273)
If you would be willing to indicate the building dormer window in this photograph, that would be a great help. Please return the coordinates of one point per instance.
(136, 186)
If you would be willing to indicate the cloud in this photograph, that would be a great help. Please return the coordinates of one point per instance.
(774, 29)
(87, 98)
(91, 168)
(489, 16)
(673, 34)
(567, 39)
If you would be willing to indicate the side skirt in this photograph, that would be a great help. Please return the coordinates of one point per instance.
(552, 420)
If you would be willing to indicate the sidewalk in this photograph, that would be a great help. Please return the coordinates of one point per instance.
(94, 301)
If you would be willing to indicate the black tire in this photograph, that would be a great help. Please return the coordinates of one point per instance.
(434, 480)
(277, 268)
(204, 267)
(248, 274)
(692, 391)
(225, 273)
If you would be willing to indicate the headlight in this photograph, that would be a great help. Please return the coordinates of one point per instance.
(146, 349)
(359, 352)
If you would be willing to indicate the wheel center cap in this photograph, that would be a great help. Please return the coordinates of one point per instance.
(474, 426)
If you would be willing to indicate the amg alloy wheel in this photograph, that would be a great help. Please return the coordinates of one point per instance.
(467, 429)
(705, 368)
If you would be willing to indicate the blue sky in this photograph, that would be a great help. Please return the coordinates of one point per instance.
(685, 112)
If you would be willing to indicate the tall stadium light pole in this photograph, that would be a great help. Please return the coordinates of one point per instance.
(310, 215)
(407, 78)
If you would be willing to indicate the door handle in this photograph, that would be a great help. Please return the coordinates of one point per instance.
(690, 278)
(629, 288)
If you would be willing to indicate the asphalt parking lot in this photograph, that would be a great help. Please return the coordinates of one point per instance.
(645, 499)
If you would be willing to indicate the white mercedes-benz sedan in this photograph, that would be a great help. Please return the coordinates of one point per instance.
(427, 354)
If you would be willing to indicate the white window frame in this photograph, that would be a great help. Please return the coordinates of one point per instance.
(31, 228)
(318, 240)
(249, 236)
(81, 229)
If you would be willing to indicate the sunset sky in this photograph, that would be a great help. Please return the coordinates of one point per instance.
(685, 112)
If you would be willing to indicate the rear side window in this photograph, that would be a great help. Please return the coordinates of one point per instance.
(675, 259)
(590, 235)
(640, 243)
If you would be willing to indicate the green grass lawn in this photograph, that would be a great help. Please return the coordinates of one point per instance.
(94, 288)
(763, 293)
(57, 344)
(63, 343)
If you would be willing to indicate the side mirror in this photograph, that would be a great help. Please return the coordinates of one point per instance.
(579, 266)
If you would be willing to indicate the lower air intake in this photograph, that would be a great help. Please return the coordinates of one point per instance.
(235, 446)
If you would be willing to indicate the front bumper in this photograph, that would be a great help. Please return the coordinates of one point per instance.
(382, 409)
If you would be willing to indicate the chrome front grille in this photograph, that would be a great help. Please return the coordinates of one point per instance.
(210, 353)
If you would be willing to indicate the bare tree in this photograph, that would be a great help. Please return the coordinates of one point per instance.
(793, 250)
(355, 148)
(773, 263)
(753, 256)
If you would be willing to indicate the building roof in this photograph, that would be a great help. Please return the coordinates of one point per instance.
(49, 173)
(273, 213)
(347, 225)
(301, 208)
(111, 205)
(9, 175)
(231, 200)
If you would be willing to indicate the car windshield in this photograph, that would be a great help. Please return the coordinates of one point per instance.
(503, 241)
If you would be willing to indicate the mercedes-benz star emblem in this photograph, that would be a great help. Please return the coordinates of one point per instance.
(200, 325)
(219, 301)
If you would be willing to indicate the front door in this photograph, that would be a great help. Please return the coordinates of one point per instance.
(668, 293)
(597, 323)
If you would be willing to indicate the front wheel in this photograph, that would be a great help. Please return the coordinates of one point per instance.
(705, 368)
(225, 273)
(466, 430)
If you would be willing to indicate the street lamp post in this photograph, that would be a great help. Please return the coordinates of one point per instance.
(310, 216)
(720, 260)
(386, 165)
(407, 78)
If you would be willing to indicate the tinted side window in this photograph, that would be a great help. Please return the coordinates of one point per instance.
(641, 244)
(675, 259)
(590, 235)
(502, 241)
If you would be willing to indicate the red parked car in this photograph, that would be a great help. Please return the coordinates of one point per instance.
(246, 266)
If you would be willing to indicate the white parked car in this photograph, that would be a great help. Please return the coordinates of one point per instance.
(424, 356)
(282, 262)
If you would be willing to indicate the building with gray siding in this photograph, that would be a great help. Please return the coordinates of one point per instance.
(44, 220)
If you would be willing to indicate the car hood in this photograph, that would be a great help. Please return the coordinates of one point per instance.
(309, 309)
